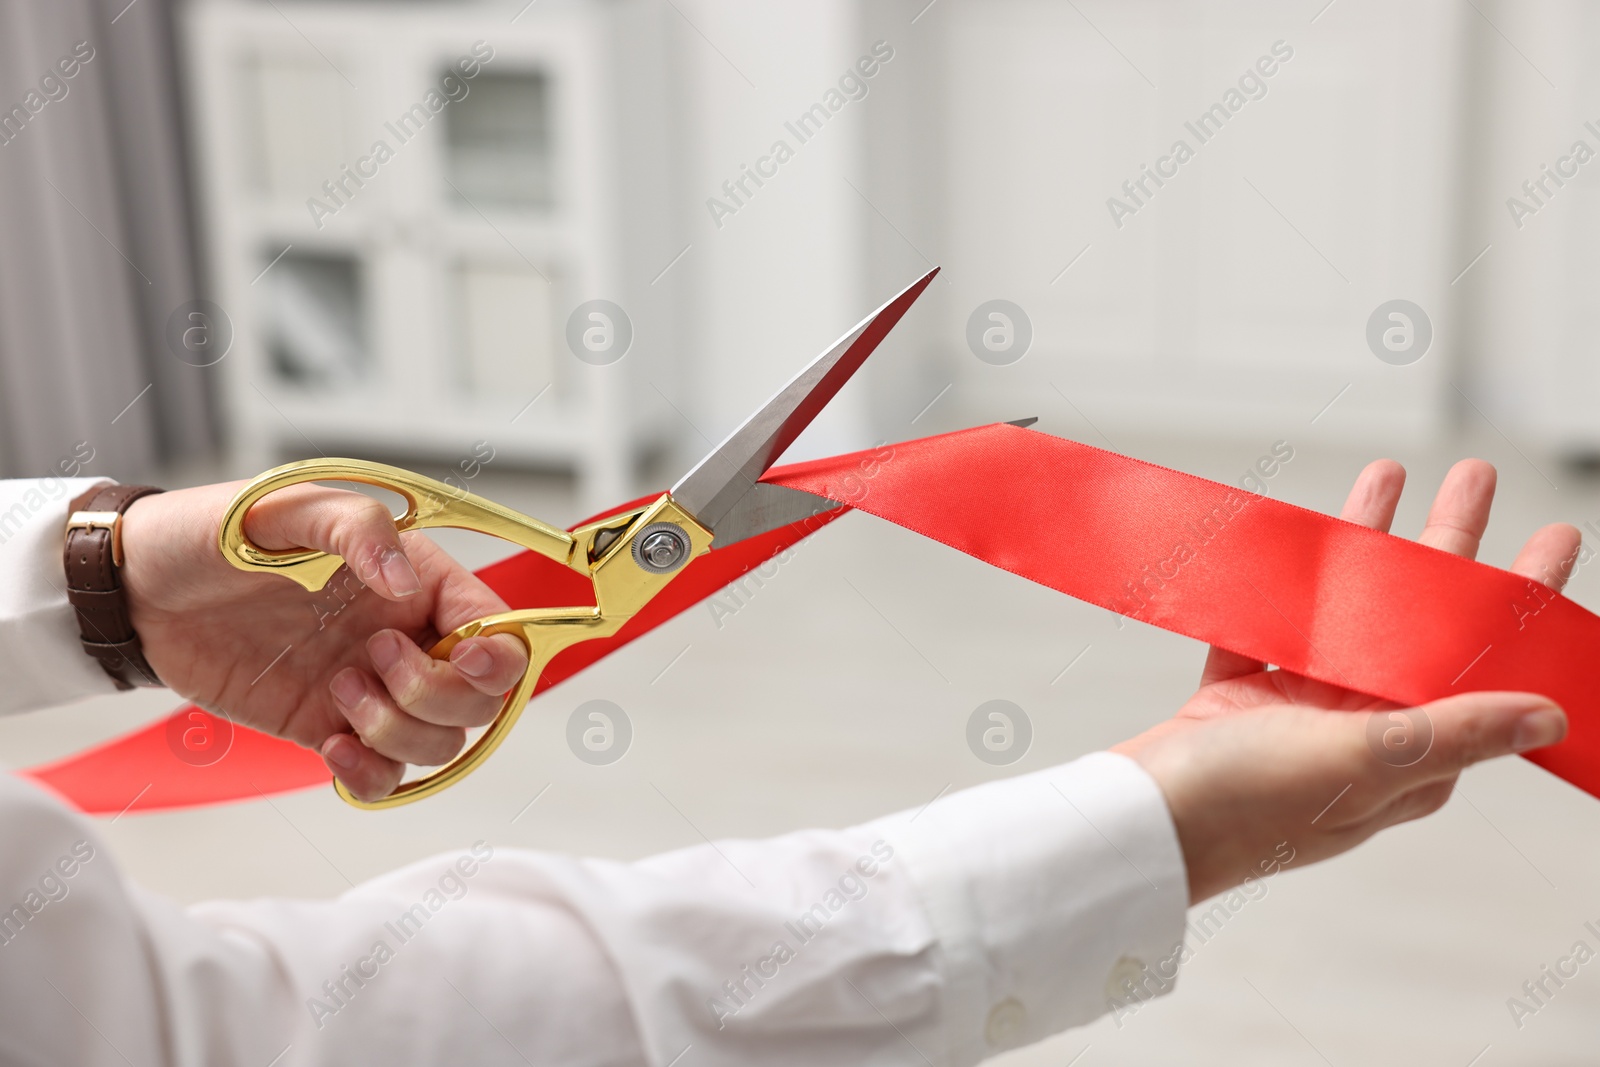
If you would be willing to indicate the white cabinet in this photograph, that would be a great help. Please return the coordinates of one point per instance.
(405, 203)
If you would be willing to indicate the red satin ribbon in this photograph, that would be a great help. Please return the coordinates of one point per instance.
(1275, 582)
(1312, 594)
(156, 767)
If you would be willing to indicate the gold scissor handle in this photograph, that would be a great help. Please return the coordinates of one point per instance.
(429, 504)
(544, 632)
(603, 550)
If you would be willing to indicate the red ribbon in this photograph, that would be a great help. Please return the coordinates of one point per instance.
(1312, 594)
(192, 758)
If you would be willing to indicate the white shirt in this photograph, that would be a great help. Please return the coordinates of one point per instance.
(992, 918)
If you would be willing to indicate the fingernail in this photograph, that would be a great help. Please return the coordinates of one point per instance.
(399, 575)
(472, 660)
(343, 752)
(1538, 729)
(384, 648)
(348, 688)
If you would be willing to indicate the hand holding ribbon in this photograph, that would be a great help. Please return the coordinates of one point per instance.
(1258, 757)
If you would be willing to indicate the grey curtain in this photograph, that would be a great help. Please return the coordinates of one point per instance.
(96, 242)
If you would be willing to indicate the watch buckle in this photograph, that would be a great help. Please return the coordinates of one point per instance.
(100, 520)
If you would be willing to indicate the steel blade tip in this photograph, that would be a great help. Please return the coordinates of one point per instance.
(711, 489)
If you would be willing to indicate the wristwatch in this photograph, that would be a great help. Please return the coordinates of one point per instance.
(93, 559)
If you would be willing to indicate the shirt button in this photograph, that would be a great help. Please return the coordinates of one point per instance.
(1005, 1023)
(1127, 973)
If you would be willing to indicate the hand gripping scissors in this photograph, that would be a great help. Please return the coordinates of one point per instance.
(629, 557)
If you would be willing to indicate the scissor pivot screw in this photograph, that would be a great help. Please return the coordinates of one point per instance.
(661, 547)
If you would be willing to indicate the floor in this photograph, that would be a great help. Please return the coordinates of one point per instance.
(819, 703)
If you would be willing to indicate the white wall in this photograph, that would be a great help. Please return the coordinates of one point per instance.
(780, 279)
(1206, 311)
(1535, 296)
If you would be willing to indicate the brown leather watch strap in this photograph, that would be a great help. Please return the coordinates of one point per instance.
(93, 556)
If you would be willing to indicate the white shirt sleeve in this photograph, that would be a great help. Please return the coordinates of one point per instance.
(42, 663)
(991, 918)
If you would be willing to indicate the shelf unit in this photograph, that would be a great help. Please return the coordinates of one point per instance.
(421, 306)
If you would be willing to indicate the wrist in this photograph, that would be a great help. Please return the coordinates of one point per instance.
(1206, 854)
(1234, 817)
(141, 548)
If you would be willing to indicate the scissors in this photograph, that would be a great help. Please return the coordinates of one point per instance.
(629, 557)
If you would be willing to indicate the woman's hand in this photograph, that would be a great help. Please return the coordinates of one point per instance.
(342, 671)
(1259, 757)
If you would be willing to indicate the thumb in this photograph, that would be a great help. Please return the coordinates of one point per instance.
(349, 525)
(1474, 727)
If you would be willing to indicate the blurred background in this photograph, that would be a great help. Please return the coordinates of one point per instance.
(553, 250)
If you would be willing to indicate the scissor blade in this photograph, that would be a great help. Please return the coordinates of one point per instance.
(767, 507)
(713, 488)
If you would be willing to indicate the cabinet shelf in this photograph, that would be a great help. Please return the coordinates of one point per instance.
(411, 302)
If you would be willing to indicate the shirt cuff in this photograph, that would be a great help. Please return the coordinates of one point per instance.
(1057, 896)
(41, 657)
